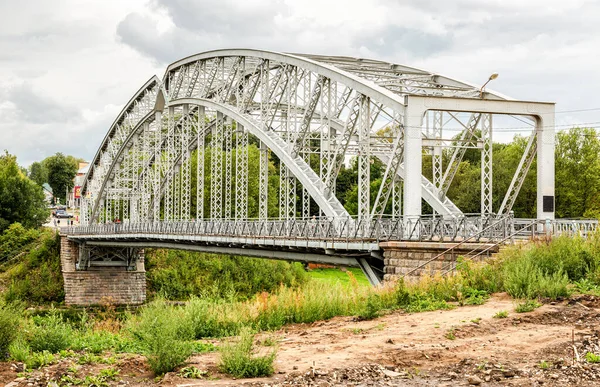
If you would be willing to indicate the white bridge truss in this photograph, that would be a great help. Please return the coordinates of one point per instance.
(233, 114)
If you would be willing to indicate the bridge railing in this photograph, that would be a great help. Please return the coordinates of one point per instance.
(422, 228)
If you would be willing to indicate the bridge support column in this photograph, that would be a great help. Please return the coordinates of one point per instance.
(410, 260)
(545, 166)
(102, 282)
(413, 121)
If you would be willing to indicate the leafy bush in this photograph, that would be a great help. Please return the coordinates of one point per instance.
(239, 360)
(527, 306)
(19, 350)
(10, 316)
(50, 333)
(178, 275)
(523, 278)
(36, 277)
(372, 308)
(164, 334)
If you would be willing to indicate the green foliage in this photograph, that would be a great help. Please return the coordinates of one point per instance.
(61, 172)
(98, 341)
(40, 359)
(450, 334)
(544, 365)
(35, 277)
(38, 173)
(577, 155)
(10, 316)
(21, 200)
(192, 372)
(102, 379)
(165, 335)
(545, 269)
(346, 276)
(50, 333)
(527, 306)
(592, 357)
(178, 275)
(240, 360)
(90, 358)
(416, 299)
(372, 308)
(524, 279)
(19, 350)
(501, 314)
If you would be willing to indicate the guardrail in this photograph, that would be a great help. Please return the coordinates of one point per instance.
(423, 228)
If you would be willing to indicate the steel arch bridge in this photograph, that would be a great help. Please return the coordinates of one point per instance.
(203, 148)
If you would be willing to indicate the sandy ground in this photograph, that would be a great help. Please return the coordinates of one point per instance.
(463, 346)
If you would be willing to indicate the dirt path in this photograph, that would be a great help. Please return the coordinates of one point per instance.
(463, 346)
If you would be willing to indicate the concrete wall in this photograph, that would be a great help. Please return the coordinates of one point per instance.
(402, 257)
(99, 285)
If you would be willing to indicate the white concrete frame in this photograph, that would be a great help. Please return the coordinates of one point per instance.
(417, 106)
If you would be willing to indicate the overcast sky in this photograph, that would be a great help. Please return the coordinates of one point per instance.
(67, 67)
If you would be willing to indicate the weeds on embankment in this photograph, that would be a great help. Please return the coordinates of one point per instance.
(167, 334)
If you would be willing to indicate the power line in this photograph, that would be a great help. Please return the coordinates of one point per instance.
(577, 110)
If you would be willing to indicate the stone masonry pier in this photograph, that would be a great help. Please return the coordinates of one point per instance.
(402, 257)
(96, 285)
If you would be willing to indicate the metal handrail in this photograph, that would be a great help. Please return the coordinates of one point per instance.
(501, 220)
(470, 257)
(427, 227)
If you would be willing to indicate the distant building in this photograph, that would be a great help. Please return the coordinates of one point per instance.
(75, 194)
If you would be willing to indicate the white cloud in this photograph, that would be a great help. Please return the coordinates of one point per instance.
(68, 66)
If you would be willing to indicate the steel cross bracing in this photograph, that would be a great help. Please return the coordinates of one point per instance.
(467, 135)
(216, 169)
(309, 115)
(438, 122)
(520, 175)
(486, 164)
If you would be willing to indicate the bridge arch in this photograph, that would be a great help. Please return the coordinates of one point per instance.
(292, 103)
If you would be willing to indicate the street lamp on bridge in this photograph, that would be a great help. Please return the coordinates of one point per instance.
(491, 78)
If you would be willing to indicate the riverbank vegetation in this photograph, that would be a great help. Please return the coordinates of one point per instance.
(168, 333)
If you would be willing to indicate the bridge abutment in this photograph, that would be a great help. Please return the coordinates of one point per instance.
(105, 281)
(411, 260)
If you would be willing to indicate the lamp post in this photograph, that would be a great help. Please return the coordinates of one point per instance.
(491, 78)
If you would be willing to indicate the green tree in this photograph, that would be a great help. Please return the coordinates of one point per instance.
(21, 200)
(577, 155)
(61, 172)
(38, 173)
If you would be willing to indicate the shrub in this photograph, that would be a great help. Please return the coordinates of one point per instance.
(523, 278)
(501, 314)
(239, 360)
(50, 333)
(372, 308)
(164, 334)
(10, 317)
(19, 350)
(527, 306)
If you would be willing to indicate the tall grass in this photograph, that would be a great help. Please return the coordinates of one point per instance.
(164, 334)
(10, 315)
(241, 360)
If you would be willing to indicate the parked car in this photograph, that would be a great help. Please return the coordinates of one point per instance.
(56, 208)
(62, 214)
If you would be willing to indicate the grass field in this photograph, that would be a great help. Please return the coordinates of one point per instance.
(338, 275)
